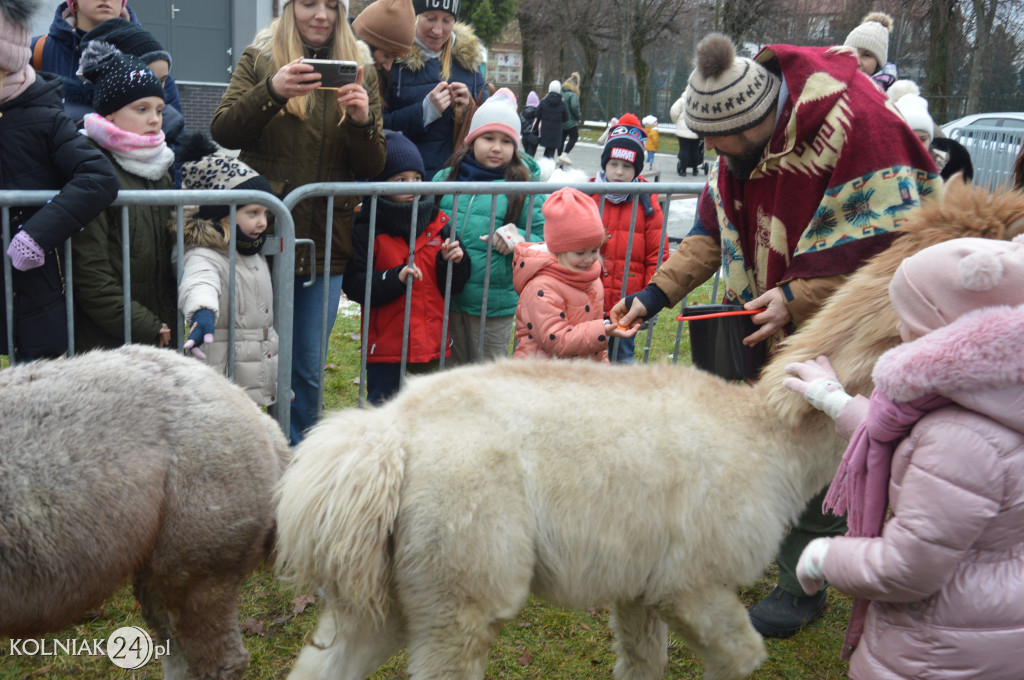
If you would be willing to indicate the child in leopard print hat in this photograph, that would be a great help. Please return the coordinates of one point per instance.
(205, 284)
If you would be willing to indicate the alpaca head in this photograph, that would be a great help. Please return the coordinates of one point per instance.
(858, 324)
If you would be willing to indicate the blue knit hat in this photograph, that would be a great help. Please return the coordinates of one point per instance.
(402, 155)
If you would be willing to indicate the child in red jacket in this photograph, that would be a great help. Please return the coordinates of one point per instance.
(392, 270)
(622, 161)
(560, 311)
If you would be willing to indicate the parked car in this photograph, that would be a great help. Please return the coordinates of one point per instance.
(993, 140)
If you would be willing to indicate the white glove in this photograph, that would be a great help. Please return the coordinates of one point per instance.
(810, 570)
(505, 238)
(815, 380)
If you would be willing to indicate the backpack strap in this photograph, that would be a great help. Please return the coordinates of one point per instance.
(37, 53)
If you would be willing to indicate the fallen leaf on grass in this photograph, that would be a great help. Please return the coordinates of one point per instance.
(254, 627)
(300, 603)
(526, 659)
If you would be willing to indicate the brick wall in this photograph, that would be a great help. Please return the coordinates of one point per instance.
(199, 101)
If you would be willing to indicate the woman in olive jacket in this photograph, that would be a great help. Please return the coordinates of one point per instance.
(294, 134)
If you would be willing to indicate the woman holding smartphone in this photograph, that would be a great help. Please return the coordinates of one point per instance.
(434, 84)
(294, 134)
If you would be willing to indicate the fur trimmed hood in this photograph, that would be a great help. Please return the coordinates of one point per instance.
(467, 50)
(976, 361)
(201, 233)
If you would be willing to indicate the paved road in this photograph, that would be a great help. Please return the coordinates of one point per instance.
(587, 157)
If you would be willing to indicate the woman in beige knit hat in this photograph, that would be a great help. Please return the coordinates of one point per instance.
(871, 40)
(388, 28)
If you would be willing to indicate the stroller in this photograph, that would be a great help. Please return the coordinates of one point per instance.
(691, 156)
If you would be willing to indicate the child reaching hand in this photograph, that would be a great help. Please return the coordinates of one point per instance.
(939, 585)
(434, 248)
(205, 283)
(561, 298)
(129, 104)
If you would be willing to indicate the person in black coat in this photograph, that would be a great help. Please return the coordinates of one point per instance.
(551, 113)
(42, 149)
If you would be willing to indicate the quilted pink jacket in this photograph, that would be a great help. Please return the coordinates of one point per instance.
(560, 311)
(946, 577)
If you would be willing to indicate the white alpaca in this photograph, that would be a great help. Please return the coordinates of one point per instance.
(659, 489)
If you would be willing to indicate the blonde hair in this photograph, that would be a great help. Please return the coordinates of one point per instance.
(286, 46)
(572, 83)
(446, 52)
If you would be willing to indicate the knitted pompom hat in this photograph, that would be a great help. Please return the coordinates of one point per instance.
(571, 221)
(497, 114)
(402, 155)
(15, 19)
(626, 142)
(120, 79)
(387, 24)
(914, 109)
(204, 166)
(128, 38)
(941, 283)
(727, 94)
(872, 35)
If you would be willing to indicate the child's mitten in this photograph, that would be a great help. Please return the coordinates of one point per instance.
(810, 570)
(203, 324)
(25, 252)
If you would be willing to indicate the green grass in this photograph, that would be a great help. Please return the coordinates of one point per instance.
(542, 643)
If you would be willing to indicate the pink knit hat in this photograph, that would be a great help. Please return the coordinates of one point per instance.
(74, 10)
(14, 36)
(497, 114)
(943, 282)
(571, 221)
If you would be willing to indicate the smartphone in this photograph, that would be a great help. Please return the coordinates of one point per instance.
(333, 73)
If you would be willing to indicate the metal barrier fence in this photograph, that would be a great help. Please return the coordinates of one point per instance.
(993, 151)
(280, 247)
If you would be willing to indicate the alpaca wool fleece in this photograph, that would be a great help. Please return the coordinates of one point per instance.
(135, 464)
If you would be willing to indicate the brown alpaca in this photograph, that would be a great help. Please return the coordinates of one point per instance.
(137, 464)
(430, 520)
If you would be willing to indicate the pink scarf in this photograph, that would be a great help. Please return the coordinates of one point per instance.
(16, 82)
(860, 489)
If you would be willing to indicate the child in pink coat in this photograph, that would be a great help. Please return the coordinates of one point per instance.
(939, 587)
(561, 297)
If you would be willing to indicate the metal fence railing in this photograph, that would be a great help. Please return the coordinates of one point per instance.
(993, 151)
(281, 246)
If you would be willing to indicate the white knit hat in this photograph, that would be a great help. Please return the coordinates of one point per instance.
(727, 94)
(554, 86)
(872, 35)
(914, 109)
(497, 114)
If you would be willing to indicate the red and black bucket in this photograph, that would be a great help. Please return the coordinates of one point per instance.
(716, 340)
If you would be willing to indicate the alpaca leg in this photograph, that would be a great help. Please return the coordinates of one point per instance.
(715, 623)
(201, 622)
(641, 641)
(454, 647)
(350, 654)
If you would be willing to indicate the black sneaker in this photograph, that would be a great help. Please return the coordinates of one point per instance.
(782, 615)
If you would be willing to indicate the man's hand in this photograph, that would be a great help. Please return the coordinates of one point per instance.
(774, 317)
(620, 316)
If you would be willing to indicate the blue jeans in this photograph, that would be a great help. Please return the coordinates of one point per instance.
(624, 355)
(307, 334)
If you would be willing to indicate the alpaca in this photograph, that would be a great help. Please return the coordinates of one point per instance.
(429, 520)
(134, 463)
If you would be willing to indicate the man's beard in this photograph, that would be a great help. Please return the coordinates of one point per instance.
(743, 164)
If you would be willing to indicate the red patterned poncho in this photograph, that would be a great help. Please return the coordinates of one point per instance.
(840, 174)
